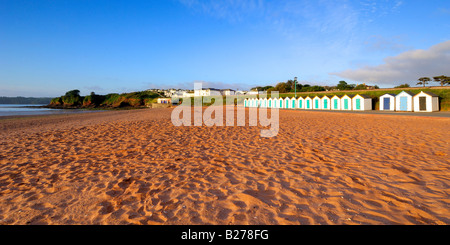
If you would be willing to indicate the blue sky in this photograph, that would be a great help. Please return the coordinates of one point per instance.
(50, 47)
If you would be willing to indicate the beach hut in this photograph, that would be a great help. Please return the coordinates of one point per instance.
(245, 102)
(346, 102)
(293, 103)
(336, 102)
(301, 103)
(362, 102)
(387, 102)
(308, 102)
(317, 103)
(263, 102)
(275, 102)
(326, 102)
(404, 101)
(269, 103)
(287, 102)
(426, 102)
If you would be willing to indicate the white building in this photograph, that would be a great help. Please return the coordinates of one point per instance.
(426, 102)
(404, 101)
(387, 102)
(301, 103)
(336, 102)
(228, 92)
(207, 92)
(362, 102)
(346, 102)
(326, 103)
(317, 102)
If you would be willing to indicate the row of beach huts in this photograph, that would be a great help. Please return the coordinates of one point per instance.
(404, 101)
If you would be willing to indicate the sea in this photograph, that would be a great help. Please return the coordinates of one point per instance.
(29, 110)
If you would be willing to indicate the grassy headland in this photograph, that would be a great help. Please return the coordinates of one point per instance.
(72, 100)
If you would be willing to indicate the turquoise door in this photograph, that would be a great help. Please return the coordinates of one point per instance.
(245, 103)
(281, 104)
(403, 103)
(270, 103)
(293, 104)
(286, 104)
(300, 103)
(358, 104)
(307, 104)
(346, 104)
(317, 104)
(335, 103)
(325, 104)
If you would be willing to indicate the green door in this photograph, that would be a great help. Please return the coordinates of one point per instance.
(307, 104)
(325, 104)
(346, 104)
(335, 103)
(300, 103)
(293, 104)
(281, 104)
(358, 104)
(270, 103)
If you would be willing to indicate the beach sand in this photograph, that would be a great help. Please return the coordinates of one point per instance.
(135, 167)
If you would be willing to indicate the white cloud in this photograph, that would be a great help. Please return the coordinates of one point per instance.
(405, 67)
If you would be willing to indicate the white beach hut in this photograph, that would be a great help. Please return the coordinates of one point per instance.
(301, 103)
(287, 103)
(426, 102)
(308, 102)
(387, 102)
(346, 102)
(362, 102)
(293, 103)
(276, 104)
(336, 102)
(404, 101)
(269, 103)
(245, 102)
(263, 102)
(317, 103)
(326, 103)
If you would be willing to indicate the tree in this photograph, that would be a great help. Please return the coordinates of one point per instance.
(423, 81)
(403, 86)
(73, 93)
(360, 87)
(342, 85)
(443, 80)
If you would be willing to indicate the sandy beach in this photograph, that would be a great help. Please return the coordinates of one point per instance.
(135, 167)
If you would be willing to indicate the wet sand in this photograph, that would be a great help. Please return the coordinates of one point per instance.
(135, 167)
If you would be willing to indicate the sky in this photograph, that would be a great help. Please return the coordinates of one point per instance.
(114, 46)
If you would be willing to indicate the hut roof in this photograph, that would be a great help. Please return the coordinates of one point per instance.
(339, 96)
(407, 92)
(389, 94)
(430, 94)
(365, 96)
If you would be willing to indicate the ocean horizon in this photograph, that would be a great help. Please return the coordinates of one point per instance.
(33, 109)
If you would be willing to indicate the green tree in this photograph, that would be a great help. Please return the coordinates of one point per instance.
(423, 81)
(403, 86)
(73, 93)
(443, 80)
(360, 87)
(342, 85)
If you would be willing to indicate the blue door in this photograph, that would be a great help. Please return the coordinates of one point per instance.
(386, 103)
(403, 103)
